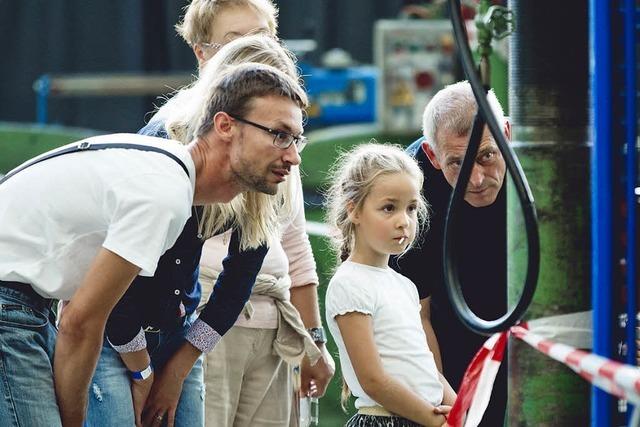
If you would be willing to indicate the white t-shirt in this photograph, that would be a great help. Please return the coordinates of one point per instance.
(57, 214)
(392, 302)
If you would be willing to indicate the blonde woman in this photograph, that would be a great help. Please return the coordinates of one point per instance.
(248, 383)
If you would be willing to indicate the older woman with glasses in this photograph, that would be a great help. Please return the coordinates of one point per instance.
(210, 24)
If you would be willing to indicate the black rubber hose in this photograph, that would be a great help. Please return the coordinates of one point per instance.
(485, 115)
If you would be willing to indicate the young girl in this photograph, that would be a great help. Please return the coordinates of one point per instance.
(373, 312)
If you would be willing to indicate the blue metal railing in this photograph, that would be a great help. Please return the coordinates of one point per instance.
(613, 95)
(602, 203)
(42, 86)
(631, 20)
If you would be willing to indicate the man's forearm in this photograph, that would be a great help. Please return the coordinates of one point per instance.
(75, 360)
(81, 331)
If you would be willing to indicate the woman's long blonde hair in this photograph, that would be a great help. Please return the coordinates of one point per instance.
(256, 214)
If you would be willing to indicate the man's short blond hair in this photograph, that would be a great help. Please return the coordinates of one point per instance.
(197, 23)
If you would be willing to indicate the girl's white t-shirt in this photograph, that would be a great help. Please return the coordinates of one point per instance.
(393, 304)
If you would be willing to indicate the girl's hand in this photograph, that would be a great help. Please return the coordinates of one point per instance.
(437, 420)
(440, 413)
(442, 410)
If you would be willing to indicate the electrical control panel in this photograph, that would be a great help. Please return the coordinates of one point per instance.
(415, 59)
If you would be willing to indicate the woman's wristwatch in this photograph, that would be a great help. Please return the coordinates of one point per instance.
(317, 335)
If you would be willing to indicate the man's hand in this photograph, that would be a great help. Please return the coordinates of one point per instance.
(315, 379)
(140, 390)
(137, 361)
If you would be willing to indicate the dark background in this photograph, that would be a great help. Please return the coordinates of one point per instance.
(79, 36)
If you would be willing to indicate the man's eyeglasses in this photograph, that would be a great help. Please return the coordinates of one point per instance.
(281, 139)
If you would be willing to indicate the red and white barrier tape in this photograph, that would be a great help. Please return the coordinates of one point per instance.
(477, 383)
(473, 397)
(613, 377)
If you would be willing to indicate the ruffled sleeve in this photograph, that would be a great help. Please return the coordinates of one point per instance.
(346, 295)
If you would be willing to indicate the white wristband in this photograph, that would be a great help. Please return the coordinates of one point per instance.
(142, 375)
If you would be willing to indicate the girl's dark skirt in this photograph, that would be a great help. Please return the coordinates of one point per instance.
(360, 420)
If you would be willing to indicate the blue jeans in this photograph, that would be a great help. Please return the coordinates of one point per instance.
(27, 342)
(110, 402)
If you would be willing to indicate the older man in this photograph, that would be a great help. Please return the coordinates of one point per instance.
(81, 226)
(447, 123)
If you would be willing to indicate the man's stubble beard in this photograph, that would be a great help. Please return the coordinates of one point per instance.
(253, 182)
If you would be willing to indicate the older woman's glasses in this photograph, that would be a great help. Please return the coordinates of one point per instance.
(214, 46)
(281, 139)
(228, 38)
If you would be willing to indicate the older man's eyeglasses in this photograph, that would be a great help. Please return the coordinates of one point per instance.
(281, 139)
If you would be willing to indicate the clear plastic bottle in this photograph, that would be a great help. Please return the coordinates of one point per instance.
(309, 412)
